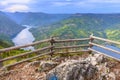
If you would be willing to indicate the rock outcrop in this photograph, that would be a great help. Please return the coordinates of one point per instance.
(91, 68)
(74, 70)
(47, 65)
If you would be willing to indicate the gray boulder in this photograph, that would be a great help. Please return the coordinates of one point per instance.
(74, 70)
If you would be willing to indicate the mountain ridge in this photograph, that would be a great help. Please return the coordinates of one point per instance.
(8, 28)
(62, 25)
(83, 25)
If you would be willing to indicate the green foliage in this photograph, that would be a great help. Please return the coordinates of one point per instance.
(72, 27)
(9, 62)
(4, 44)
(63, 26)
(113, 34)
(13, 53)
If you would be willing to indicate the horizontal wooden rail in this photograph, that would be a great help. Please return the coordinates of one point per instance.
(27, 53)
(73, 51)
(27, 45)
(75, 46)
(102, 53)
(115, 42)
(28, 59)
(52, 48)
(71, 40)
(104, 47)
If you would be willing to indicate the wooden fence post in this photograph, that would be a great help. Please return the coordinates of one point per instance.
(52, 41)
(91, 40)
(1, 63)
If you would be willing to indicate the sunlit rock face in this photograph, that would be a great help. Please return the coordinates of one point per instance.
(24, 37)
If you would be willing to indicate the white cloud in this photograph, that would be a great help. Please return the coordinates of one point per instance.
(26, 5)
(68, 0)
(7, 2)
(15, 8)
(15, 5)
(60, 3)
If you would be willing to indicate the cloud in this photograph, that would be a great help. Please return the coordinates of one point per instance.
(49, 5)
(15, 5)
(14, 8)
(61, 3)
(7, 2)
(68, 0)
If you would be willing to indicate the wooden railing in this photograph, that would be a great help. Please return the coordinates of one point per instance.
(52, 47)
(55, 46)
(92, 43)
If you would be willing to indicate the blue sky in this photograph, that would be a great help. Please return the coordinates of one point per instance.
(61, 6)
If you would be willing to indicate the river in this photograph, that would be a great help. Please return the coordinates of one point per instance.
(24, 37)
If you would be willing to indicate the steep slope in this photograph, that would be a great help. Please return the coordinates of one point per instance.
(113, 33)
(8, 28)
(18, 17)
(80, 25)
(4, 44)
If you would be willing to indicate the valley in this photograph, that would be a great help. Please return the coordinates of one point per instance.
(23, 28)
(62, 26)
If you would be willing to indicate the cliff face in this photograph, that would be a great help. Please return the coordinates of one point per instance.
(92, 67)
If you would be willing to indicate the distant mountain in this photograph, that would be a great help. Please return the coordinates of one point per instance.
(8, 28)
(36, 19)
(61, 25)
(18, 17)
(82, 25)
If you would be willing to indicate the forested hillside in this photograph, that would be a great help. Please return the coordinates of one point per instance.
(4, 44)
(8, 28)
(61, 25)
(82, 25)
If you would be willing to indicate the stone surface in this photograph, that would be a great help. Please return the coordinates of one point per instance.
(96, 59)
(74, 70)
(93, 67)
(47, 65)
